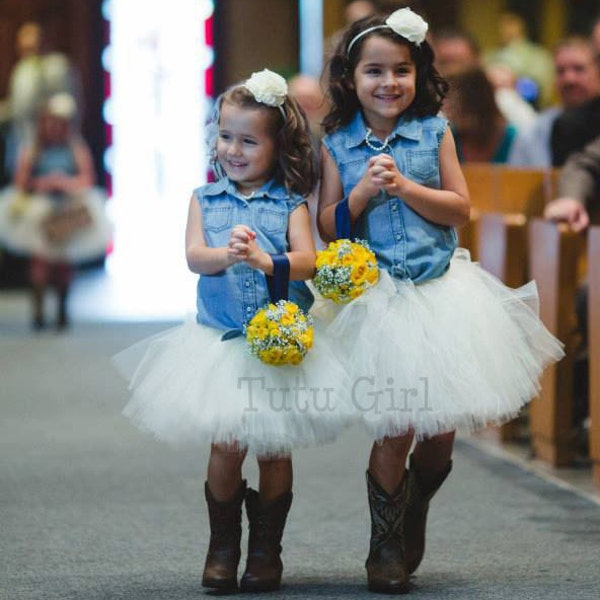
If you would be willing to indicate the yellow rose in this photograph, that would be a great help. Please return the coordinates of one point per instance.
(372, 276)
(306, 340)
(358, 274)
(292, 308)
(287, 320)
(259, 318)
(355, 292)
(262, 332)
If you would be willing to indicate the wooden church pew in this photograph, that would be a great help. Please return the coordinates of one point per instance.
(554, 252)
(503, 189)
(480, 178)
(502, 251)
(594, 347)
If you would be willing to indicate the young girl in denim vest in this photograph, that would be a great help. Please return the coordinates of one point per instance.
(199, 382)
(437, 344)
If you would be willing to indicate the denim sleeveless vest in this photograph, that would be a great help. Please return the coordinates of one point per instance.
(230, 298)
(406, 244)
(55, 159)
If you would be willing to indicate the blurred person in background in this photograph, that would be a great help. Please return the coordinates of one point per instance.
(577, 80)
(353, 11)
(457, 50)
(576, 127)
(595, 36)
(53, 214)
(522, 56)
(510, 102)
(481, 132)
(35, 77)
(578, 188)
(306, 90)
(578, 196)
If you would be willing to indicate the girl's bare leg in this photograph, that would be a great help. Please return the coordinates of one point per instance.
(387, 462)
(225, 471)
(276, 477)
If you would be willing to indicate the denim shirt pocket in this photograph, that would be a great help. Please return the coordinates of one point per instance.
(422, 164)
(217, 218)
(271, 220)
(351, 172)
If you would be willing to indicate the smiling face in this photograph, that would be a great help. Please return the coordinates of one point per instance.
(385, 82)
(246, 146)
(52, 129)
(577, 77)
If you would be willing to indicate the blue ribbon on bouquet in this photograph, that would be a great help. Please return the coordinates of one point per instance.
(277, 284)
(343, 220)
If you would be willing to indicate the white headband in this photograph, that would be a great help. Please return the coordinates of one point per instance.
(403, 22)
(268, 88)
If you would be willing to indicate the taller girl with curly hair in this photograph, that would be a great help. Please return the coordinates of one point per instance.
(438, 343)
(198, 382)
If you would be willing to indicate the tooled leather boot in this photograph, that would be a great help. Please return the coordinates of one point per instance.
(220, 569)
(417, 505)
(264, 566)
(386, 564)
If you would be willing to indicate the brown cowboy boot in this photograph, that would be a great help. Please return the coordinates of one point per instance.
(386, 564)
(220, 569)
(417, 506)
(264, 566)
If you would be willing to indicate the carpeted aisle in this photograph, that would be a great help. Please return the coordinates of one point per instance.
(91, 509)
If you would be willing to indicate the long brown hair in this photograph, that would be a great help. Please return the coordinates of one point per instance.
(430, 85)
(295, 166)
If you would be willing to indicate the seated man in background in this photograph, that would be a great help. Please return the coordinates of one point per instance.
(577, 81)
(457, 50)
(579, 190)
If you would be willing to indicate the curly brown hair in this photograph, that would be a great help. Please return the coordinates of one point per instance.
(295, 167)
(431, 87)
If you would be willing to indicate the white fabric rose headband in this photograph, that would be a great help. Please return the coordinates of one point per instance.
(268, 88)
(403, 22)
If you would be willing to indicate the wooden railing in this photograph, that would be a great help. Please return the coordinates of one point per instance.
(554, 254)
(506, 190)
(594, 347)
(509, 239)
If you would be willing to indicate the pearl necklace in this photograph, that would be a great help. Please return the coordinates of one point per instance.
(376, 145)
(247, 196)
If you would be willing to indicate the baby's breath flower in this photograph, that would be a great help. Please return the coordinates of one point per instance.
(345, 270)
(280, 334)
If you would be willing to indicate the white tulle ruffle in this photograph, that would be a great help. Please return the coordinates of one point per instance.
(459, 352)
(190, 386)
(22, 230)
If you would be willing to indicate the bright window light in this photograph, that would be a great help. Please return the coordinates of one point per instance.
(157, 59)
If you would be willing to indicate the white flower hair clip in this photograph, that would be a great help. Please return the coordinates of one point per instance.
(404, 22)
(268, 88)
(62, 105)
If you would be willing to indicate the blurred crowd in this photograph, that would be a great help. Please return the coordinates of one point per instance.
(52, 215)
(520, 104)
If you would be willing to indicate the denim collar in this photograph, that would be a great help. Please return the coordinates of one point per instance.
(357, 130)
(271, 189)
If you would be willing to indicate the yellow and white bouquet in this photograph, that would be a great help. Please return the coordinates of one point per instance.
(280, 334)
(345, 270)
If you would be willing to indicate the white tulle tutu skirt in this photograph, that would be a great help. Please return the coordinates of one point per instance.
(190, 386)
(458, 352)
(24, 226)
